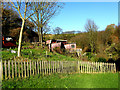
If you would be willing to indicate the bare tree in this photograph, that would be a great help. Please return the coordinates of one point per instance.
(57, 30)
(92, 28)
(44, 12)
(23, 9)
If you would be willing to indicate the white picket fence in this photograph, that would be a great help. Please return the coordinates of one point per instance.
(22, 69)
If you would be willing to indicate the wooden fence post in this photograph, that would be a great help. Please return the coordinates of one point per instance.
(12, 70)
(45, 67)
(55, 66)
(96, 67)
(40, 67)
(9, 69)
(33, 67)
(104, 67)
(27, 69)
(49, 67)
(81, 67)
(1, 70)
(5, 70)
(87, 66)
(24, 70)
(37, 67)
(78, 67)
(30, 67)
(114, 67)
(15, 69)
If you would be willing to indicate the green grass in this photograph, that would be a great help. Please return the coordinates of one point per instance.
(107, 80)
(35, 54)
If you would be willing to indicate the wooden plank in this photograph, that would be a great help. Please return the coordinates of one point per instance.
(5, 70)
(58, 66)
(49, 67)
(81, 67)
(24, 69)
(40, 67)
(30, 67)
(78, 67)
(87, 66)
(12, 70)
(18, 69)
(27, 69)
(37, 67)
(2, 70)
(62, 66)
(53, 66)
(9, 69)
(33, 67)
(114, 68)
(15, 69)
(45, 67)
(96, 68)
(92, 67)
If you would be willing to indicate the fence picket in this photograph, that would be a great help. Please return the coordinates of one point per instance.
(40, 67)
(37, 67)
(49, 67)
(2, 70)
(27, 69)
(12, 70)
(30, 67)
(45, 67)
(15, 69)
(18, 69)
(24, 69)
(81, 67)
(114, 67)
(33, 67)
(5, 70)
(9, 69)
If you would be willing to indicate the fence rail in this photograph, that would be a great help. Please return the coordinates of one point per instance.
(23, 69)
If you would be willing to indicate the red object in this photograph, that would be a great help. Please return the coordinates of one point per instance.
(8, 41)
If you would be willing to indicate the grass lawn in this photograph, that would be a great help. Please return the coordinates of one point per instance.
(107, 80)
(35, 54)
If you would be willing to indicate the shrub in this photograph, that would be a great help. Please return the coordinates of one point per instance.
(101, 59)
(94, 59)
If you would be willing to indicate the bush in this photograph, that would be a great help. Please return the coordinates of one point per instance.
(101, 59)
(89, 55)
(94, 59)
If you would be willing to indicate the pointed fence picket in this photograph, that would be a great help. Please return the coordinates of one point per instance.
(22, 69)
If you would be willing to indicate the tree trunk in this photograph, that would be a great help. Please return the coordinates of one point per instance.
(41, 36)
(20, 38)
